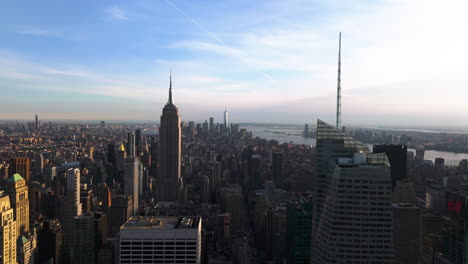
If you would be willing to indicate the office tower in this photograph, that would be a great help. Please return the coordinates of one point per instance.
(50, 242)
(404, 192)
(277, 167)
(306, 130)
(170, 148)
(119, 212)
(131, 180)
(39, 164)
(22, 166)
(90, 231)
(169, 239)
(17, 189)
(154, 157)
(205, 189)
(8, 233)
(235, 129)
(138, 143)
(397, 156)
(215, 180)
(226, 119)
(406, 233)
(439, 162)
(331, 144)
(419, 155)
(212, 125)
(234, 207)
(72, 209)
(356, 228)
(299, 229)
(222, 231)
(36, 126)
(338, 94)
(131, 147)
(276, 233)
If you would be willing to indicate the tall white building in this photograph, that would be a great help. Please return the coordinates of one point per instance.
(160, 240)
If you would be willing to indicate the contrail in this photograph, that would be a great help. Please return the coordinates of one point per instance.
(212, 35)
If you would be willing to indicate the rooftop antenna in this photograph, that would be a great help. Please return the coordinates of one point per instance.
(338, 96)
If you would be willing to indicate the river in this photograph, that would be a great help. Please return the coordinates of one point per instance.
(288, 134)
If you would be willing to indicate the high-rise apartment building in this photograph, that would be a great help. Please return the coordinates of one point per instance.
(8, 233)
(22, 166)
(17, 189)
(131, 181)
(160, 240)
(170, 148)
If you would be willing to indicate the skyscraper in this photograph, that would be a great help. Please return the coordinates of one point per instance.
(18, 191)
(90, 231)
(226, 120)
(333, 145)
(21, 165)
(356, 221)
(397, 156)
(299, 229)
(407, 232)
(72, 209)
(131, 187)
(277, 167)
(170, 144)
(212, 125)
(131, 148)
(8, 233)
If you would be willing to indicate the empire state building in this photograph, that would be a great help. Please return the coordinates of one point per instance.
(170, 182)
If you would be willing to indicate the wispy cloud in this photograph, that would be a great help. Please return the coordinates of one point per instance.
(37, 32)
(117, 13)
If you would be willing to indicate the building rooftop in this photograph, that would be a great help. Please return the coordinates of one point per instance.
(157, 222)
(16, 178)
(404, 205)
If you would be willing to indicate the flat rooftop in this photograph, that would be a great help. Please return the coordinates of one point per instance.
(158, 222)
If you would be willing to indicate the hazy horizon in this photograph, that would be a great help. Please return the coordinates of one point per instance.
(403, 62)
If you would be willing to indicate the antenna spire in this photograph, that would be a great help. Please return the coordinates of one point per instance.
(338, 96)
(170, 88)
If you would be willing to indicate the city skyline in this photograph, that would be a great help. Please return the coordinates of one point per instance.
(268, 68)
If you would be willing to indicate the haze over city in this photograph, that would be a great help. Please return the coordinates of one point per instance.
(403, 62)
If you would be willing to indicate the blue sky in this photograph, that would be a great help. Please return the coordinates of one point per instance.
(404, 62)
